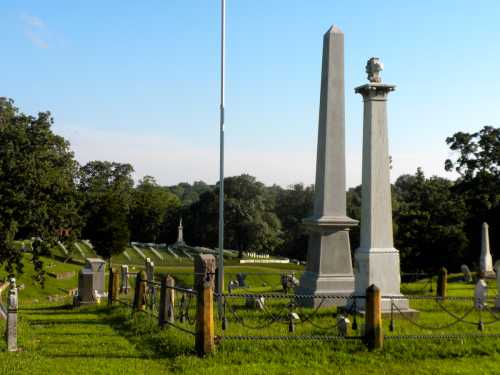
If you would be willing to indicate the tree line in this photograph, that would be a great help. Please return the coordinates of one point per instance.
(43, 189)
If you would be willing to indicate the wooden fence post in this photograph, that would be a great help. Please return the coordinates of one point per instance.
(163, 302)
(167, 300)
(116, 285)
(374, 336)
(204, 268)
(442, 283)
(11, 326)
(140, 291)
(110, 285)
(170, 299)
(124, 279)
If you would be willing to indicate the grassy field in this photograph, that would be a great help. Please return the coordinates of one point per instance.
(57, 339)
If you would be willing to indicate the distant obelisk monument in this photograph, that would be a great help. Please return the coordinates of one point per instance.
(376, 260)
(180, 234)
(485, 260)
(329, 265)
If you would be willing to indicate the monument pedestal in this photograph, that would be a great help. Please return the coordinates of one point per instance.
(329, 264)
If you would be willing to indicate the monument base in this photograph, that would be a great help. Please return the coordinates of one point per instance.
(316, 285)
(490, 275)
(398, 308)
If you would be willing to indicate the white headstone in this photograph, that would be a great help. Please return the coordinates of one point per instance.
(485, 260)
(480, 294)
(466, 271)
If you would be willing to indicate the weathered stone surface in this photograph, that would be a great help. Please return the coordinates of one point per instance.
(480, 294)
(124, 279)
(11, 329)
(257, 303)
(329, 265)
(86, 286)
(376, 260)
(343, 326)
(467, 274)
(97, 266)
(485, 260)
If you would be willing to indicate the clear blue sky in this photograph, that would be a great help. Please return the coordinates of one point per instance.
(138, 81)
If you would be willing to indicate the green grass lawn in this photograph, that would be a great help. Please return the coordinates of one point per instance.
(56, 339)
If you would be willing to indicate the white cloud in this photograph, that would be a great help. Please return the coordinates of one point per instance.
(32, 21)
(35, 30)
(35, 39)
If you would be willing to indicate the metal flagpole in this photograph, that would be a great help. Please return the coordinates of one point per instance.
(220, 268)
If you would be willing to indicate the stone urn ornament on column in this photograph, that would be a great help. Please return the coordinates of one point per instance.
(376, 259)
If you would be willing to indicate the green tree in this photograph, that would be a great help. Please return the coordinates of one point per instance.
(189, 194)
(477, 163)
(249, 219)
(37, 184)
(430, 223)
(108, 225)
(152, 208)
(106, 189)
(292, 206)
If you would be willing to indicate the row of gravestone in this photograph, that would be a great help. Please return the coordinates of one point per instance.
(468, 274)
(91, 280)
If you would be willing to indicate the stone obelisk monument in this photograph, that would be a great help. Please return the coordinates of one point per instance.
(376, 260)
(486, 261)
(329, 265)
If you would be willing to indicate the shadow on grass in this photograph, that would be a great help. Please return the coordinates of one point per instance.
(53, 322)
(101, 356)
(143, 332)
(65, 307)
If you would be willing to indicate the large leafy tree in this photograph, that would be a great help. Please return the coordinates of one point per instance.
(106, 190)
(37, 184)
(189, 194)
(430, 230)
(477, 162)
(250, 222)
(153, 208)
(292, 206)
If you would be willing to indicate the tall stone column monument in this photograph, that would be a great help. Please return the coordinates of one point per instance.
(376, 260)
(329, 265)
(485, 260)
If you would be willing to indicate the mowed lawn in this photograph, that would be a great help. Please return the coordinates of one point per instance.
(98, 340)
(57, 339)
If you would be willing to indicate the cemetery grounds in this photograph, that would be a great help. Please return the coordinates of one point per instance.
(57, 339)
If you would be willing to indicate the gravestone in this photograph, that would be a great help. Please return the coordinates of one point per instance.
(124, 279)
(343, 326)
(91, 281)
(86, 286)
(231, 285)
(97, 266)
(241, 277)
(329, 265)
(289, 282)
(480, 294)
(257, 303)
(485, 260)
(467, 274)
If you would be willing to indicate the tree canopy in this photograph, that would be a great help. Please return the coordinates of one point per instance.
(37, 183)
